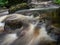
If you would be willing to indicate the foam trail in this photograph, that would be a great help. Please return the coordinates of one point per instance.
(9, 38)
(3, 17)
(43, 34)
(42, 37)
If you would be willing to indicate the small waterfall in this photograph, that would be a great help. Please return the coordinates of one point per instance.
(39, 3)
(1, 23)
(42, 3)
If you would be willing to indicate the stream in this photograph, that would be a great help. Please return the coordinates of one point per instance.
(47, 31)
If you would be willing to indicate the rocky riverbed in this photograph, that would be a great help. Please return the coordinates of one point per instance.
(12, 27)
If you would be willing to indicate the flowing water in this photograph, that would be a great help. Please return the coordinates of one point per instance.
(42, 3)
(29, 36)
(35, 33)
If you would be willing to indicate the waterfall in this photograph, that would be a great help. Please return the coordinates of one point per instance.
(42, 3)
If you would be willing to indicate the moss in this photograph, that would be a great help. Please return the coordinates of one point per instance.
(56, 1)
(21, 6)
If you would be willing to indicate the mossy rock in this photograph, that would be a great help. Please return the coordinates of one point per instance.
(21, 6)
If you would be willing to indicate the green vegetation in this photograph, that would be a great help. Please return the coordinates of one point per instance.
(3, 2)
(57, 1)
(9, 3)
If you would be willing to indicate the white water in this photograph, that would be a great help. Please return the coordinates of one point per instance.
(3, 17)
(42, 36)
(2, 24)
(9, 38)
